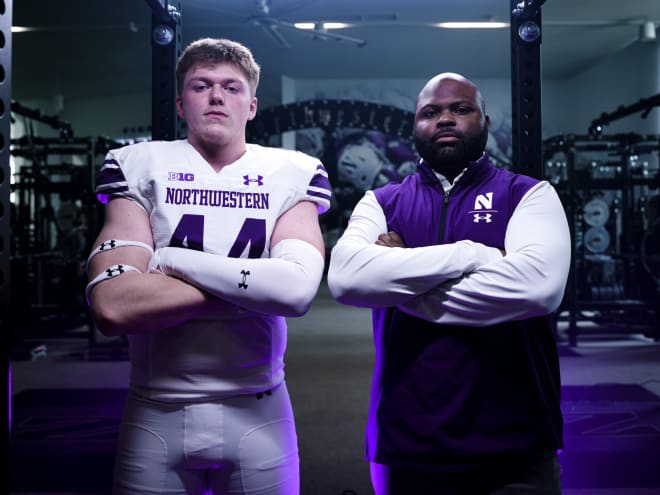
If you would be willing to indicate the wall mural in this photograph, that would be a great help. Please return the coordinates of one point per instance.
(363, 145)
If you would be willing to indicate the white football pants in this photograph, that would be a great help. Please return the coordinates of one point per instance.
(241, 445)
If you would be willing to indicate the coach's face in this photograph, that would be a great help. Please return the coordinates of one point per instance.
(450, 127)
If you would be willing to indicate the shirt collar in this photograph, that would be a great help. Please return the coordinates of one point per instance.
(472, 169)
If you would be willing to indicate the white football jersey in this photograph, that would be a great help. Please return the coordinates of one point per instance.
(229, 213)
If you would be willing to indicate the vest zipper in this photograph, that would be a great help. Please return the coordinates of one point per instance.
(443, 217)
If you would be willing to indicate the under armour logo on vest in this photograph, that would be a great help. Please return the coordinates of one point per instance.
(242, 284)
(259, 180)
(107, 245)
(486, 217)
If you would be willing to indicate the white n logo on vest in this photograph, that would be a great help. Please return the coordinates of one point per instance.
(483, 202)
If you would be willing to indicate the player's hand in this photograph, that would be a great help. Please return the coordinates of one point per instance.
(391, 239)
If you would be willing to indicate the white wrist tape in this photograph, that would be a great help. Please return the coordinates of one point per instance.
(107, 274)
(284, 284)
(111, 244)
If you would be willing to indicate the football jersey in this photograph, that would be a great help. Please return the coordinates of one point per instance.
(229, 213)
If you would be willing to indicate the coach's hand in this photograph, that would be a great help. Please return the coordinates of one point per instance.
(391, 239)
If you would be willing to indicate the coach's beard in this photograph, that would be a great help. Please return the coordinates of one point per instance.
(450, 159)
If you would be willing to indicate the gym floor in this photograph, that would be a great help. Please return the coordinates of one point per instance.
(68, 392)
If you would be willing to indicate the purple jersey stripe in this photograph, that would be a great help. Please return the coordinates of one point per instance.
(319, 189)
(319, 194)
(320, 181)
(110, 173)
(110, 180)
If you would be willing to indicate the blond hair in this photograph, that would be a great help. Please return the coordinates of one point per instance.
(211, 51)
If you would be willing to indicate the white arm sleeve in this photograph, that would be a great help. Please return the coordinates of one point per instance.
(362, 273)
(529, 281)
(284, 284)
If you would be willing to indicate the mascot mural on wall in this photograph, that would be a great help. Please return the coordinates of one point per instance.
(356, 161)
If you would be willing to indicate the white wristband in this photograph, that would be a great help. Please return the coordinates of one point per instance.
(111, 244)
(107, 274)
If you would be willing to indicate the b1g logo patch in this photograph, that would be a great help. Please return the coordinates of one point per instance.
(180, 177)
(483, 208)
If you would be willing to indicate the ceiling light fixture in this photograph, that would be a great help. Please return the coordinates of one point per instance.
(472, 25)
(325, 25)
(647, 32)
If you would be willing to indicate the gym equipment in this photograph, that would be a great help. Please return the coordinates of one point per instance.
(609, 187)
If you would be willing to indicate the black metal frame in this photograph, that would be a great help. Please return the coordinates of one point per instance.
(53, 121)
(5, 170)
(165, 19)
(526, 87)
(645, 105)
(5, 210)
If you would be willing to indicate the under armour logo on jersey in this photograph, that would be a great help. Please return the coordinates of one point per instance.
(259, 180)
(486, 217)
(111, 244)
(115, 270)
(242, 284)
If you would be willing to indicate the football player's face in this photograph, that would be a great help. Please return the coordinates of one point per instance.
(216, 103)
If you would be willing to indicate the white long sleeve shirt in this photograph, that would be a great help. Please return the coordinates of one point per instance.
(463, 283)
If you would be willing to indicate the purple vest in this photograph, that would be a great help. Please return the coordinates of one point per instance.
(447, 397)
(478, 207)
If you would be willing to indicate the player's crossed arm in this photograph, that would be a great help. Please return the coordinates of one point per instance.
(123, 297)
(284, 283)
